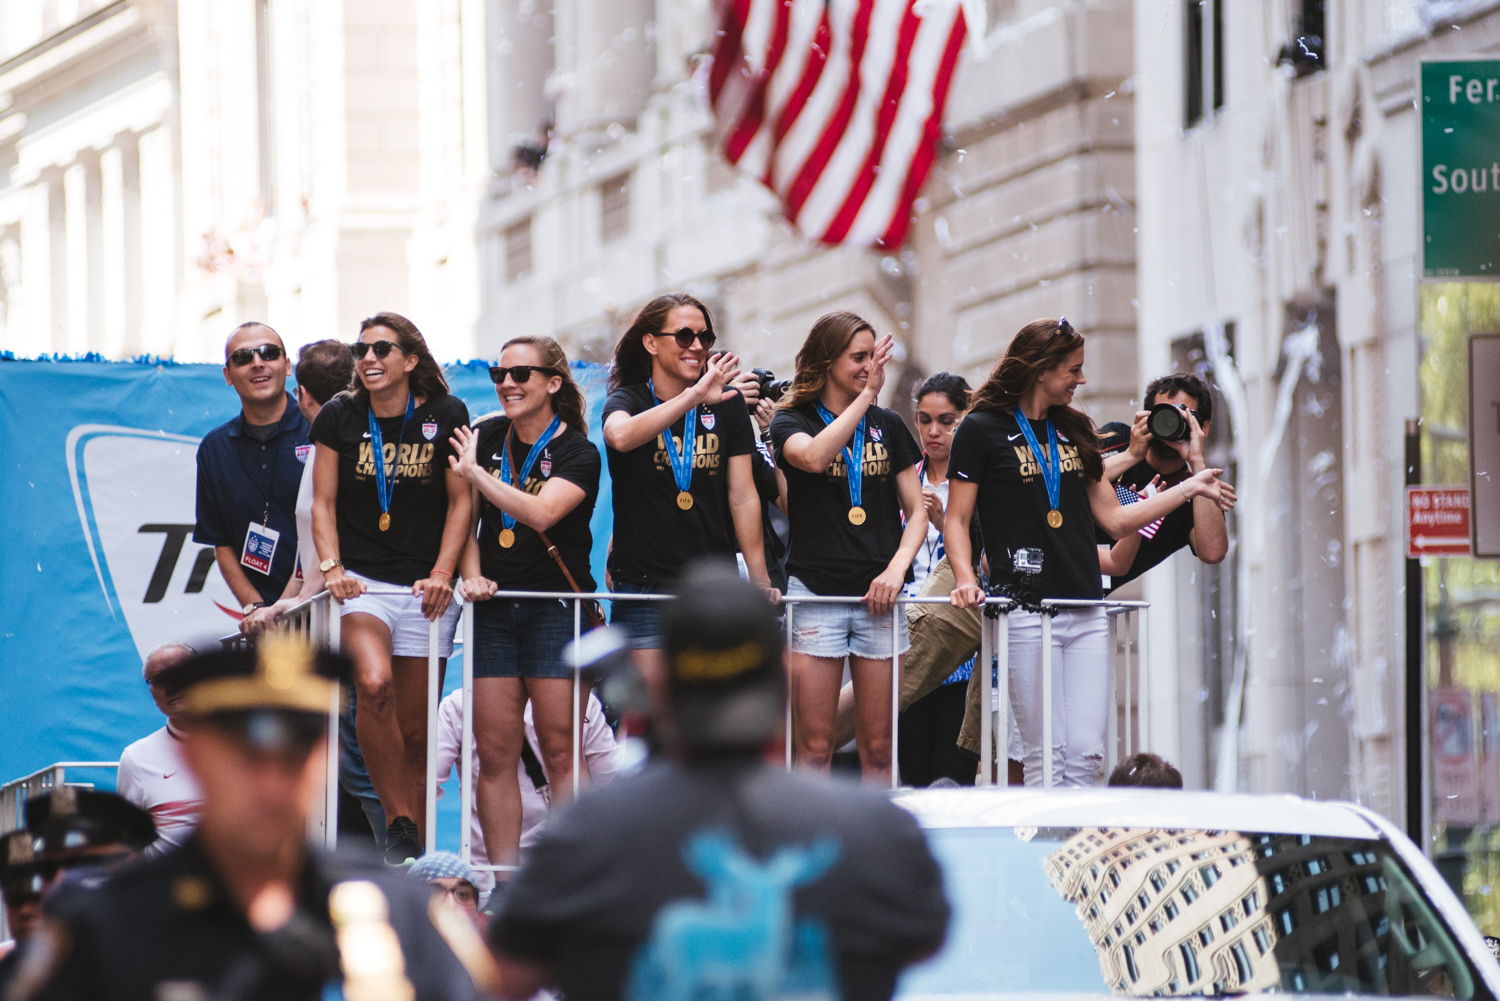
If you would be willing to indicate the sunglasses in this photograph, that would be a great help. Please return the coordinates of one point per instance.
(243, 356)
(520, 373)
(381, 348)
(685, 338)
(463, 893)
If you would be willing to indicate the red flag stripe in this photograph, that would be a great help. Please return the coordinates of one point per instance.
(933, 135)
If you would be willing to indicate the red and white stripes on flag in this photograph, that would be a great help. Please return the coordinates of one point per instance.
(836, 105)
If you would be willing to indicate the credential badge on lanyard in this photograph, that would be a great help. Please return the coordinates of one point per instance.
(260, 547)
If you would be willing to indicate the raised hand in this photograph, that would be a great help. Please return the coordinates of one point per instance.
(885, 348)
(465, 457)
(720, 371)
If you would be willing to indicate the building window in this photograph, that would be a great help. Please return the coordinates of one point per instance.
(614, 208)
(1304, 53)
(518, 250)
(1189, 961)
(1204, 62)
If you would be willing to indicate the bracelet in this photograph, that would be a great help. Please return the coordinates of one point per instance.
(1182, 486)
(443, 572)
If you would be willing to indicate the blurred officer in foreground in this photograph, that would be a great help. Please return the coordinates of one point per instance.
(716, 873)
(73, 841)
(245, 909)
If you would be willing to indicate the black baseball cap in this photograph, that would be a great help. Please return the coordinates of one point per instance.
(723, 645)
(70, 820)
(277, 696)
(20, 873)
(1114, 437)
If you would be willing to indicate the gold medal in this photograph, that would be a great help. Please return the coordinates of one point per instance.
(856, 515)
(1054, 518)
(507, 538)
(385, 521)
(684, 500)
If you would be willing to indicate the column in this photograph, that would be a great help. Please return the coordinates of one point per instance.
(609, 75)
(158, 242)
(76, 260)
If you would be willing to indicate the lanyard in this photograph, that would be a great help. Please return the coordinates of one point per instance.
(854, 468)
(386, 489)
(531, 456)
(682, 464)
(267, 484)
(1051, 464)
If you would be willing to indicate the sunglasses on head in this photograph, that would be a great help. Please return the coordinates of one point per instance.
(520, 373)
(381, 348)
(686, 336)
(243, 356)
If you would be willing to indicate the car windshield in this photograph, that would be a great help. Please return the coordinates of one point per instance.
(1184, 912)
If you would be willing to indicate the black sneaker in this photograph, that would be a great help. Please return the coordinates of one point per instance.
(403, 846)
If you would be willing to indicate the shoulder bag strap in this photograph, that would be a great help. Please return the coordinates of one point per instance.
(510, 453)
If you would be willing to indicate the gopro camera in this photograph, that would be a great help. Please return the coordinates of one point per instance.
(1028, 561)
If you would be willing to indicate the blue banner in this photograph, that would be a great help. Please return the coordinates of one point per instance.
(98, 565)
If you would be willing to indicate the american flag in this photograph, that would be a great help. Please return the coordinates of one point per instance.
(836, 105)
(1129, 496)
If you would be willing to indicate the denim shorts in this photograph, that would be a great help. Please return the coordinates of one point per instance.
(642, 619)
(822, 629)
(522, 638)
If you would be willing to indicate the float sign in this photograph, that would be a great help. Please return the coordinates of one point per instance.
(1461, 169)
(1437, 521)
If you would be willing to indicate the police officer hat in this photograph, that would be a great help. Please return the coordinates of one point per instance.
(277, 695)
(69, 820)
(723, 646)
(20, 873)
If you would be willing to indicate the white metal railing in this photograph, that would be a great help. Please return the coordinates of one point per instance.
(15, 793)
(318, 621)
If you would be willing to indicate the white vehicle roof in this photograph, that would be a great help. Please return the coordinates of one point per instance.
(1136, 808)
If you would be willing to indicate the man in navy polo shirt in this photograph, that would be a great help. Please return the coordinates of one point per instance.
(249, 469)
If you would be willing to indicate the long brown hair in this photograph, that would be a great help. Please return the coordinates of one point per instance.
(568, 402)
(1039, 346)
(426, 380)
(828, 338)
(632, 360)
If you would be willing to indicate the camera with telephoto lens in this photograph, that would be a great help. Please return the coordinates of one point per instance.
(771, 388)
(1169, 422)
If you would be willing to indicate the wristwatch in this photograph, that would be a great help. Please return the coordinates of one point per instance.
(328, 565)
(253, 606)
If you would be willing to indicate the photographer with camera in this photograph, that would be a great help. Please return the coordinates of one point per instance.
(762, 391)
(1165, 448)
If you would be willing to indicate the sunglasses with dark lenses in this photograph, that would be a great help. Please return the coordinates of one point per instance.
(685, 338)
(381, 348)
(520, 373)
(268, 352)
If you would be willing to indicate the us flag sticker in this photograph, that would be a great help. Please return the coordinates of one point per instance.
(429, 431)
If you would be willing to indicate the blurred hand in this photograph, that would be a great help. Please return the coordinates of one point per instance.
(1140, 437)
(342, 587)
(966, 596)
(884, 590)
(884, 349)
(720, 372)
(465, 457)
(764, 411)
(260, 619)
(934, 506)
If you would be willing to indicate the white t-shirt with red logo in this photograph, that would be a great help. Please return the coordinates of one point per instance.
(155, 777)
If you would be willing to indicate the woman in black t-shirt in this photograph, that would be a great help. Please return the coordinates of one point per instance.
(400, 521)
(857, 519)
(678, 496)
(1030, 465)
(535, 474)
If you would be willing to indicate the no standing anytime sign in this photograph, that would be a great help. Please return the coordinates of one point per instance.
(1437, 521)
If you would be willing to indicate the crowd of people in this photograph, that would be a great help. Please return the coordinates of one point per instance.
(372, 482)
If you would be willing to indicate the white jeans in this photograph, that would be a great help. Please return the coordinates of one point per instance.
(1080, 692)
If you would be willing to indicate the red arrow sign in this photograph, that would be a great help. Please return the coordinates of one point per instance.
(1437, 521)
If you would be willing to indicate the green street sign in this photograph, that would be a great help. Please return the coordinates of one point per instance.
(1461, 169)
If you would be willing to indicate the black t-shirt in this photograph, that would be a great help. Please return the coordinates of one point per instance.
(654, 537)
(526, 566)
(1171, 535)
(990, 450)
(826, 552)
(404, 554)
(616, 886)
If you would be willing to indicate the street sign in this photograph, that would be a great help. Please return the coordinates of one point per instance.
(1461, 169)
(1437, 521)
(1484, 443)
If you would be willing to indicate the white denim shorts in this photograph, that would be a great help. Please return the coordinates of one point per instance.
(402, 615)
(826, 629)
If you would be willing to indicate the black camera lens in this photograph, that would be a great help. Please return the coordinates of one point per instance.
(1168, 423)
(774, 391)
